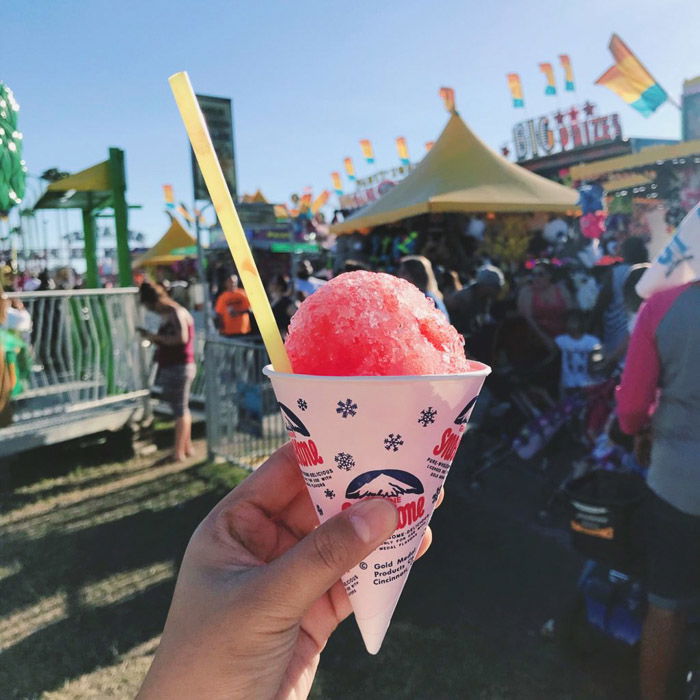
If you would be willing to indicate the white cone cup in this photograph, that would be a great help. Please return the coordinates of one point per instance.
(363, 437)
(679, 262)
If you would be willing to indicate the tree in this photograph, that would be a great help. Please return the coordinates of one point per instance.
(12, 167)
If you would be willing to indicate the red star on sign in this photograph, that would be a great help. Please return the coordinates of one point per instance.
(505, 151)
(573, 114)
(559, 118)
(589, 108)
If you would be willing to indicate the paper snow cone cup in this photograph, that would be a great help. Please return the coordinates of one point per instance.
(366, 437)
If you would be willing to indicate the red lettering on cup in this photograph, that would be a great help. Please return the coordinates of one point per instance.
(447, 448)
(306, 453)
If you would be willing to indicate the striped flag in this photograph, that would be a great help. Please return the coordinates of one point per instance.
(169, 196)
(565, 62)
(516, 89)
(367, 150)
(548, 71)
(305, 201)
(447, 95)
(402, 148)
(337, 183)
(629, 79)
(185, 213)
(349, 169)
(320, 202)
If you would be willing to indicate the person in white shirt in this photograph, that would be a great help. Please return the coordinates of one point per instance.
(305, 282)
(576, 349)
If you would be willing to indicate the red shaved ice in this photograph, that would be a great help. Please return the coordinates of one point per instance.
(372, 324)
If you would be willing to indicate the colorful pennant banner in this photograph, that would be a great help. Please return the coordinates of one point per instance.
(367, 150)
(429, 145)
(349, 169)
(565, 62)
(305, 201)
(516, 89)
(185, 213)
(169, 196)
(337, 183)
(402, 148)
(320, 202)
(447, 94)
(548, 71)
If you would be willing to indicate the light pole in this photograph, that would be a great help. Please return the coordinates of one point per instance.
(200, 264)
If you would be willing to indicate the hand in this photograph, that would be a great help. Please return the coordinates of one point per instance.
(258, 592)
(145, 334)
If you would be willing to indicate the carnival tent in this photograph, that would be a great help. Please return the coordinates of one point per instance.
(172, 247)
(460, 173)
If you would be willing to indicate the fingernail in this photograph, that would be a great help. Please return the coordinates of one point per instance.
(372, 519)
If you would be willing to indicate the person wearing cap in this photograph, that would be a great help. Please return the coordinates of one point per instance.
(470, 307)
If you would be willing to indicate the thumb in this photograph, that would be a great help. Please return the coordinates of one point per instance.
(304, 573)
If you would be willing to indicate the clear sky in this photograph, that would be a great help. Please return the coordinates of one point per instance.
(310, 78)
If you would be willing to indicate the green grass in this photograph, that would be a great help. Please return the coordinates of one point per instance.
(88, 561)
(91, 547)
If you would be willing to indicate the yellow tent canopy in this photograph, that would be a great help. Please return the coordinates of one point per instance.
(257, 198)
(161, 253)
(90, 188)
(460, 173)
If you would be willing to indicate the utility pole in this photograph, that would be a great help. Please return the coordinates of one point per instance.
(121, 213)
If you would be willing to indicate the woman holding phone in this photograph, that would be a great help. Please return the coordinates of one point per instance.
(174, 343)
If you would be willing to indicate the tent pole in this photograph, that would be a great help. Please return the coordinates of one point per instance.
(91, 275)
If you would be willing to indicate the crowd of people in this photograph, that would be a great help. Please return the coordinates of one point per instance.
(569, 327)
(567, 324)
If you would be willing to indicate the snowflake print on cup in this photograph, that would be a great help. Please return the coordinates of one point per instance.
(393, 442)
(346, 408)
(344, 461)
(302, 404)
(329, 494)
(427, 416)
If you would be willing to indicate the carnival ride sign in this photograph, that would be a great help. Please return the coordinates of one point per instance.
(565, 130)
(218, 114)
(365, 196)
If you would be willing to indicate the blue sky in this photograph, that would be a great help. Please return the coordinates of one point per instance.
(310, 78)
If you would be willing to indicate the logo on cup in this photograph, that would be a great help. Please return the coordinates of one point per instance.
(292, 422)
(388, 483)
(461, 419)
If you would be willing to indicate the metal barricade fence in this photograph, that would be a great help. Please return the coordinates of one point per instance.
(243, 419)
(86, 366)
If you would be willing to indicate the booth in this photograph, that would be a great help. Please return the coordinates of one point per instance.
(651, 191)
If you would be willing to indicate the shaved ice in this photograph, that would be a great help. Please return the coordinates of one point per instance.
(373, 324)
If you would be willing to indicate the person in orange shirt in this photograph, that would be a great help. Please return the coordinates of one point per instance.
(232, 308)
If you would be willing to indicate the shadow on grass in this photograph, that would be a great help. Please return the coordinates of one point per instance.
(91, 579)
